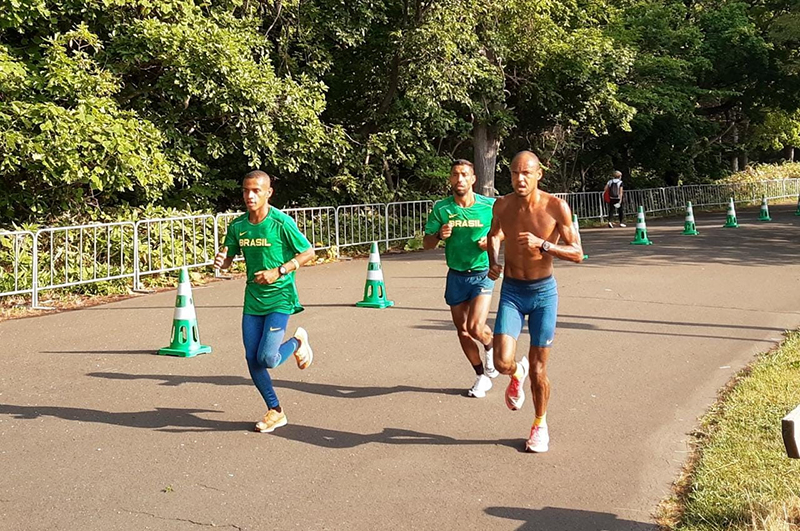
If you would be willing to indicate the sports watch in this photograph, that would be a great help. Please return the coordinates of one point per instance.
(282, 271)
(545, 246)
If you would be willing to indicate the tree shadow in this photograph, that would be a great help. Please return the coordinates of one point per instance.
(337, 440)
(170, 420)
(331, 390)
(174, 420)
(562, 519)
(441, 325)
(672, 323)
(152, 352)
(753, 244)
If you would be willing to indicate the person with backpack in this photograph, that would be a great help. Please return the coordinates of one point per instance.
(613, 196)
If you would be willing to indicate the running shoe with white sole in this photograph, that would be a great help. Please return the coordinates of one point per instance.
(273, 419)
(539, 441)
(515, 395)
(304, 355)
(482, 384)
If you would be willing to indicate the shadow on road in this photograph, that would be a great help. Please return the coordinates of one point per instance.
(441, 325)
(332, 390)
(171, 420)
(335, 439)
(562, 519)
(753, 244)
(174, 420)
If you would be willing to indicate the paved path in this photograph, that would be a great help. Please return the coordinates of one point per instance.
(97, 433)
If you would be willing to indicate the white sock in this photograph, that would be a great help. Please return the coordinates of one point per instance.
(489, 358)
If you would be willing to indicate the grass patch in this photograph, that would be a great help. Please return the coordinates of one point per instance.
(739, 477)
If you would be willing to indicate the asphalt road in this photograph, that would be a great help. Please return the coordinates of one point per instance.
(98, 433)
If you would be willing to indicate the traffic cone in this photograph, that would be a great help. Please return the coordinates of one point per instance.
(797, 213)
(578, 232)
(689, 228)
(641, 230)
(764, 214)
(730, 221)
(374, 290)
(185, 334)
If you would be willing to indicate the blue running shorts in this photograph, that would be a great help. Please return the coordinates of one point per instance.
(538, 299)
(463, 286)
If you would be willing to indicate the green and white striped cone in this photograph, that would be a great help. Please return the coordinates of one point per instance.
(185, 334)
(764, 214)
(375, 289)
(641, 230)
(689, 228)
(797, 212)
(730, 220)
(578, 232)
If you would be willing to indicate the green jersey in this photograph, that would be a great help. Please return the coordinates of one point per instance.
(469, 225)
(267, 245)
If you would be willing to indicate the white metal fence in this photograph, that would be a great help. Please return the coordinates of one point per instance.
(16, 268)
(590, 205)
(61, 257)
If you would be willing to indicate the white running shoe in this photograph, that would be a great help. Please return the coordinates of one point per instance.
(482, 384)
(622, 225)
(539, 441)
(515, 395)
(304, 355)
(489, 369)
(610, 225)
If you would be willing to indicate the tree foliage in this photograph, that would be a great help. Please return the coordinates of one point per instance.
(108, 103)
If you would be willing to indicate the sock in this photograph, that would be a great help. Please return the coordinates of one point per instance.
(278, 409)
(478, 369)
(540, 421)
(519, 372)
(489, 357)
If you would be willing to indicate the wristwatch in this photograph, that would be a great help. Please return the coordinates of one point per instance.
(545, 246)
(282, 271)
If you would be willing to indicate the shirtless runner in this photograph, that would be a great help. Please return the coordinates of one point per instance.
(533, 222)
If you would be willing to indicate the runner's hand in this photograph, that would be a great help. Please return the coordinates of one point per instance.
(483, 244)
(267, 276)
(445, 231)
(495, 271)
(526, 239)
(219, 259)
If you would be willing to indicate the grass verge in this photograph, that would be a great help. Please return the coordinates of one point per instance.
(739, 477)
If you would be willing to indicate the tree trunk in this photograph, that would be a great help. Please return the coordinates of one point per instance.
(788, 153)
(485, 144)
(743, 160)
(735, 142)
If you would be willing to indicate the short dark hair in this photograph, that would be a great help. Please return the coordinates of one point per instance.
(461, 162)
(257, 174)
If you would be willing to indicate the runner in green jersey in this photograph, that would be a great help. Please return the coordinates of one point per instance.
(273, 249)
(462, 221)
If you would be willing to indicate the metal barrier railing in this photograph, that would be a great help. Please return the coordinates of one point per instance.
(317, 223)
(61, 257)
(16, 268)
(168, 244)
(82, 254)
(360, 224)
(405, 220)
(586, 205)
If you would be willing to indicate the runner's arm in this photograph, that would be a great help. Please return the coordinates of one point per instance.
(431, 238)
(571, 250)
(493, 240)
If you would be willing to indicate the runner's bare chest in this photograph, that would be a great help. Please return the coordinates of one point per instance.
(516, 219)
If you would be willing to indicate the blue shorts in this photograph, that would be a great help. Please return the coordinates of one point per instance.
(463, 286)
(538, 299)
